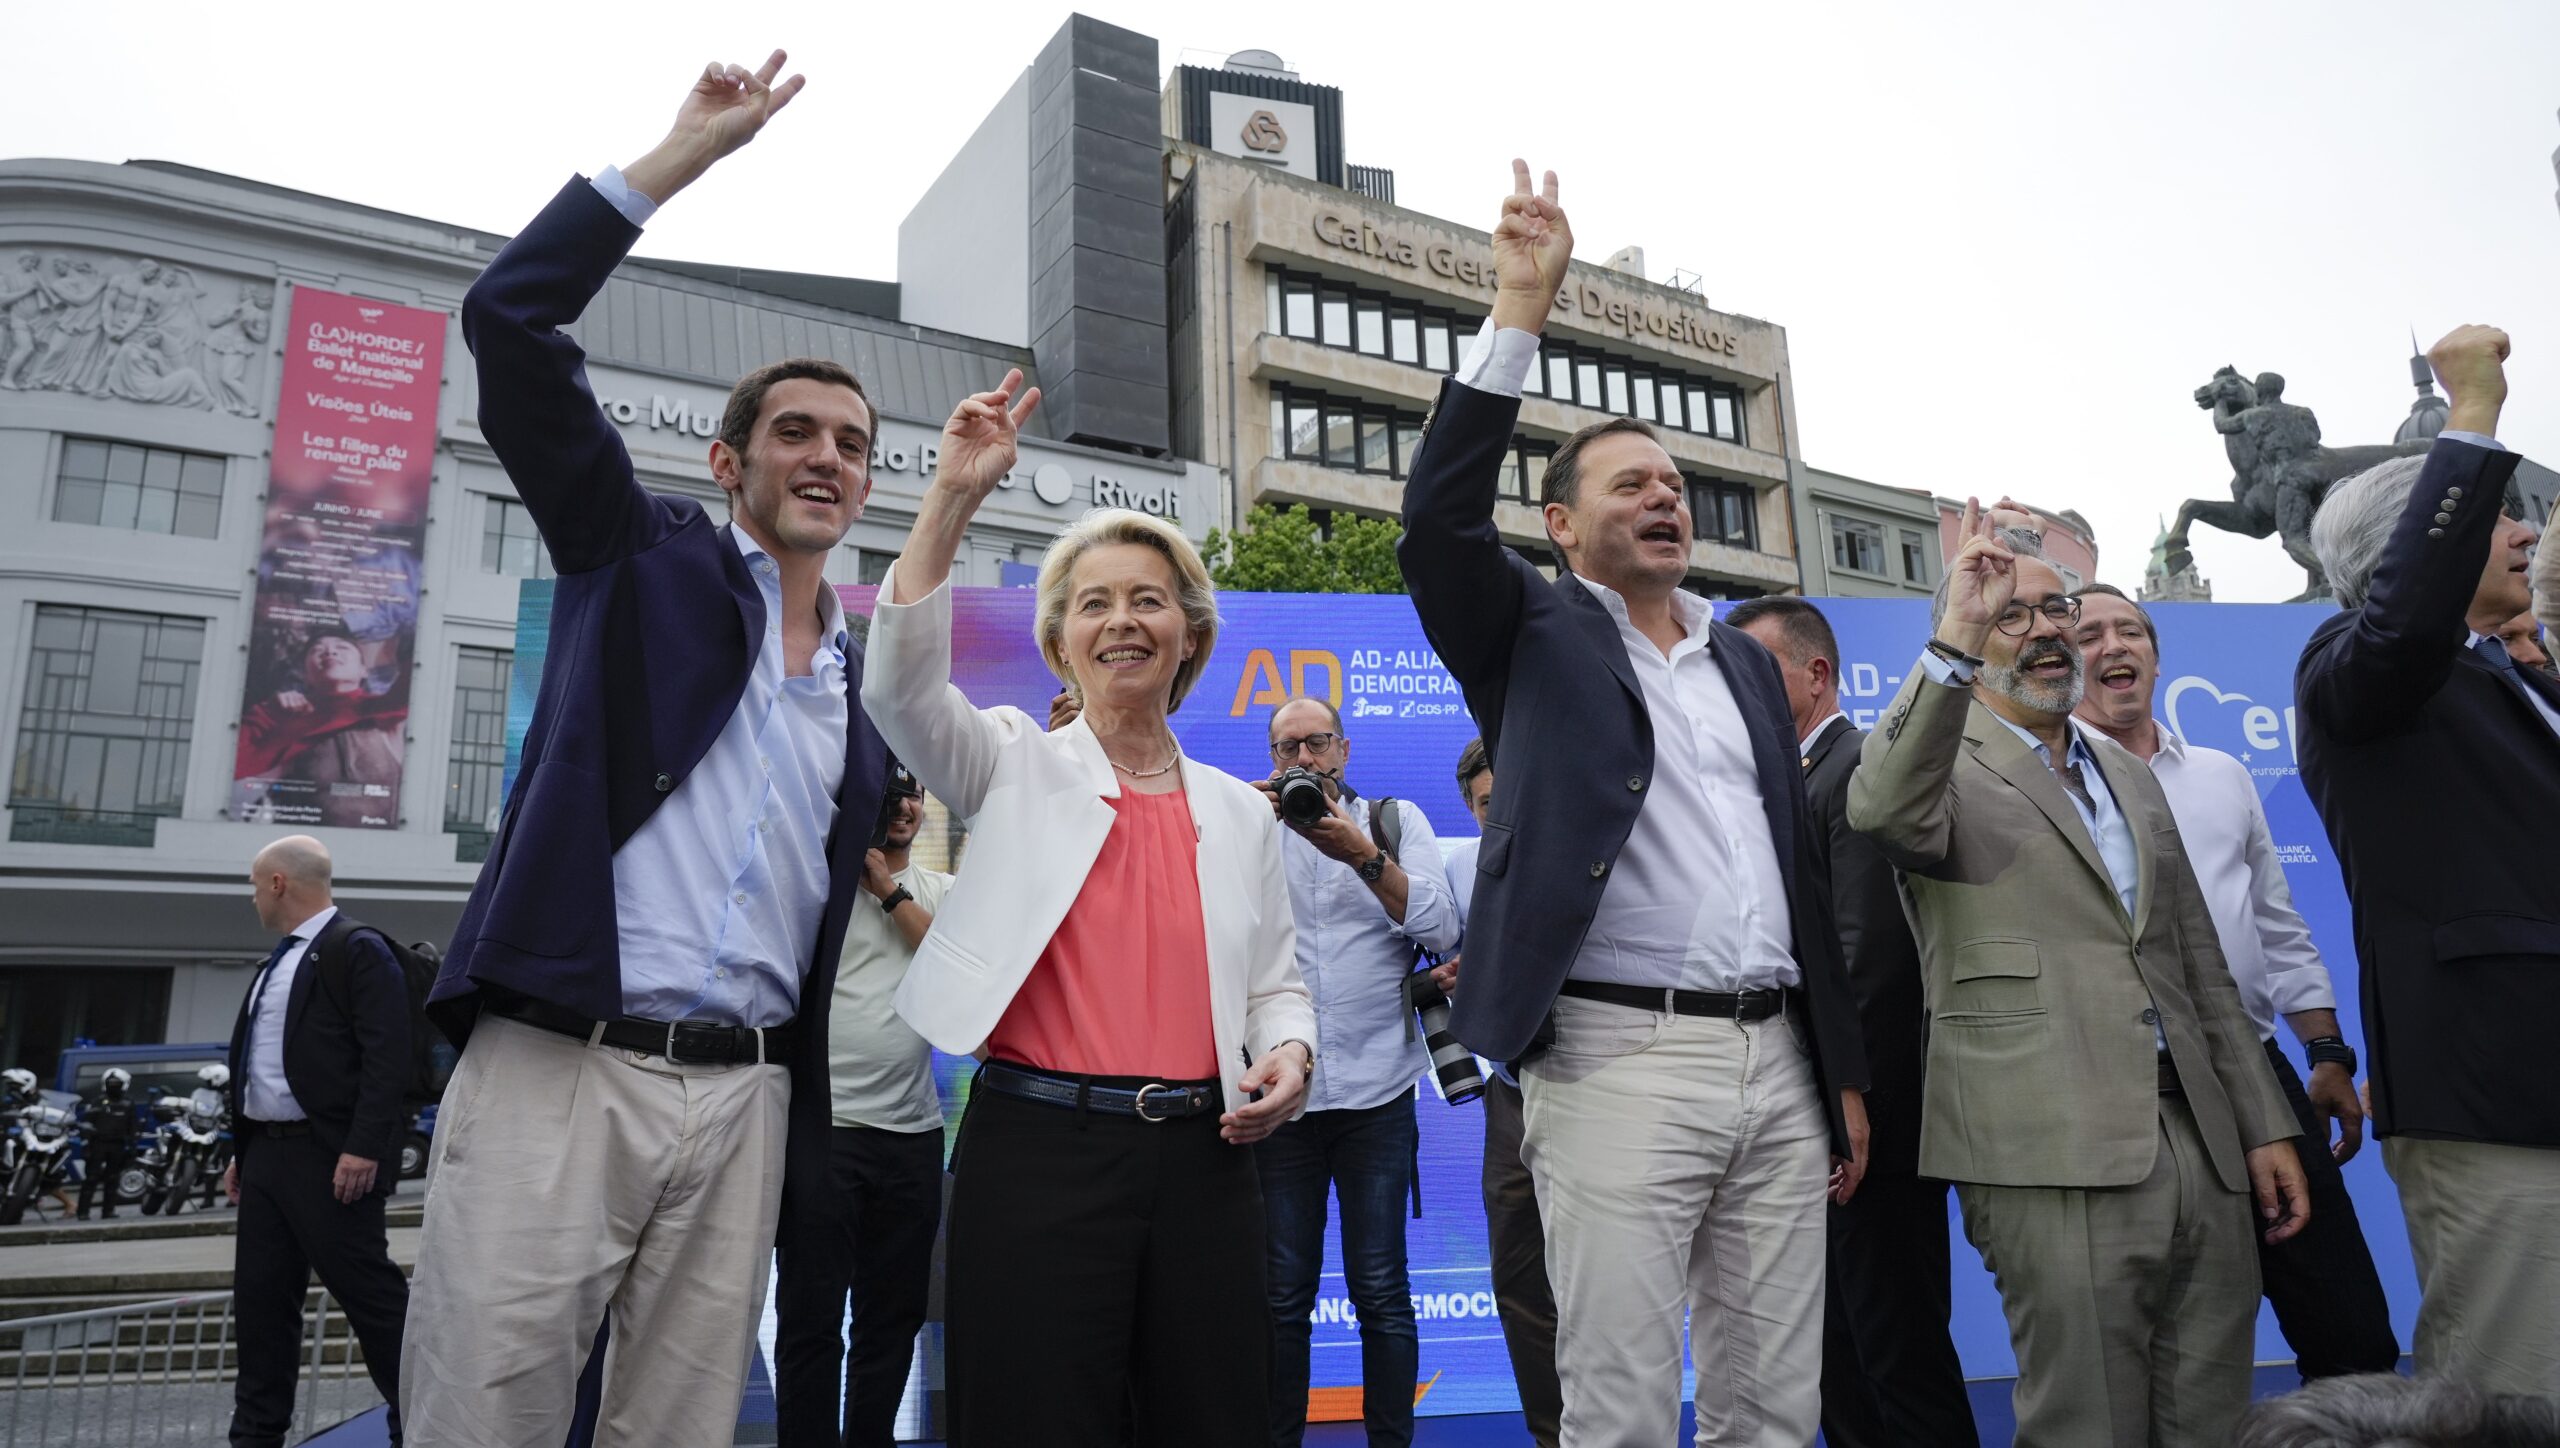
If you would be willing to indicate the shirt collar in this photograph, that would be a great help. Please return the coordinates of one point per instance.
(1694, 612)
(2172, 747)
(1815, 732)
(2079, 739)
(830, 607)
(310, 929)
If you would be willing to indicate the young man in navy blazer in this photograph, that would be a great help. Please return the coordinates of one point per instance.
(641, 977)
(1649, 925)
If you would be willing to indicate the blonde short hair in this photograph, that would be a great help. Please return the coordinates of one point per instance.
(1104, 528)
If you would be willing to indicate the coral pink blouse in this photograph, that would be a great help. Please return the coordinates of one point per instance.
(1122, 989)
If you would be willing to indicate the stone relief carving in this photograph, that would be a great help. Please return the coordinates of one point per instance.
(138, 329)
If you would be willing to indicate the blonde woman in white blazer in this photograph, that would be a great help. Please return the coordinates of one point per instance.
(1118, 952)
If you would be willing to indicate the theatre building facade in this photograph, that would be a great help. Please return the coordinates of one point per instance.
(203, 645)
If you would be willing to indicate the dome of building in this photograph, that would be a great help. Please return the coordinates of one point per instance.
(2427, 414)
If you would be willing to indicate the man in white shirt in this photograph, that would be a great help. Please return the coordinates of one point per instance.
(2322, 1282)
(1652, 942)
(320, 1069)
(865, 1229)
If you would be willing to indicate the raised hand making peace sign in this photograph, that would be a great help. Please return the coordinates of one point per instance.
(1980, 581)
(724, 110)
(1532, 247)
(983, 437)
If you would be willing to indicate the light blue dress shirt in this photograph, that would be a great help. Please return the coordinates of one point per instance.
(2105, 822)
(1355, 959)
(718, 896)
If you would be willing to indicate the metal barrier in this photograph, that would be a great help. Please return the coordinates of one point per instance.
(161, 1372)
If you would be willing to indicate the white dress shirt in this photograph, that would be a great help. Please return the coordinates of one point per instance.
(718, 896)
(1355, 959)
(2224, 829)
(265, 1096)
(1696, 899)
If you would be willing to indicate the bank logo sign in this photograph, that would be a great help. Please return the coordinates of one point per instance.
(1278, 134)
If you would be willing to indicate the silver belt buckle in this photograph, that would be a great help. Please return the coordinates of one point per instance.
(1139, 1106)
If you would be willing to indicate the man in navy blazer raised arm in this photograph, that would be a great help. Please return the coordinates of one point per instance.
(642, 975)
(1650, 925)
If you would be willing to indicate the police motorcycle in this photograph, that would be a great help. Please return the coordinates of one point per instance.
(44, 1139)
(192, 1130)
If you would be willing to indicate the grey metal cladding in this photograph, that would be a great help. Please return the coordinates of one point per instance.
(908, 371)
(1124, 55)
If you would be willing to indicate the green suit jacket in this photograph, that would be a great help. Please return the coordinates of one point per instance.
(2043, 997)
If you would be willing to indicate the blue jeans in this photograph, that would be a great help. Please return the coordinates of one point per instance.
(1366, 1156)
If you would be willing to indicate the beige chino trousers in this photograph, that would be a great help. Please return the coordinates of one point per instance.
(1681, 1163)
(569, 1182)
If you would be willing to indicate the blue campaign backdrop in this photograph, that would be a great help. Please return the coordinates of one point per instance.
(2226, 682)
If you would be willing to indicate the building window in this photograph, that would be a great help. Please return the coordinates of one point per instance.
(110, 713)
(145, 489)
(1343, 433)
(1857, 545)
(476, 766)
(510, 545)
(1915, 557)
(1356, 319)
(1721, 512)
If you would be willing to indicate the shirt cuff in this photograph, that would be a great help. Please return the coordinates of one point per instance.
(2307, 988)
(1499, 361)
(2476, 439)
(1941, 671)
(635, 208)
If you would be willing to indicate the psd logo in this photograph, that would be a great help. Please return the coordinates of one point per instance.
(1263, 133)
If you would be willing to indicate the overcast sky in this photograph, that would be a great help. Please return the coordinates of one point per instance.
(2006, 246)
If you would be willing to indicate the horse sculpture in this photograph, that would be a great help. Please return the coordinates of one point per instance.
(2279, 471)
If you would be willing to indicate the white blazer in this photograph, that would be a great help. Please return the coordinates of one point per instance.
(1036, 805)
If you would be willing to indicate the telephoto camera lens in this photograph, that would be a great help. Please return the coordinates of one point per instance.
(1452, 1062)
(1302, 801)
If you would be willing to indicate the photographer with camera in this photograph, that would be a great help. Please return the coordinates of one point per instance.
(1369, 895)
(866, 1230)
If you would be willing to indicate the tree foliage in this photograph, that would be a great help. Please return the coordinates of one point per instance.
(1282, 551)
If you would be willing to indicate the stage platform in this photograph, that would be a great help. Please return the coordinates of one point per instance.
(1489, 1430)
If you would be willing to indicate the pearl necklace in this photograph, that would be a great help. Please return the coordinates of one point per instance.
(1147, 773)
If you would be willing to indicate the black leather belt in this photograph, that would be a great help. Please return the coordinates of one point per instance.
(276, 1128)
(1743, 1005)
(701, 1043)
(2169, 1082)
(1146, 1100)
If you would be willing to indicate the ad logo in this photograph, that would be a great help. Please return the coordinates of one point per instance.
(1262, 132)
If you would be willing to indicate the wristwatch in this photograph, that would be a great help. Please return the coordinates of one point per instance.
(2320, 1050)
(1374, 868)
(895, 898)
(1302, 1045)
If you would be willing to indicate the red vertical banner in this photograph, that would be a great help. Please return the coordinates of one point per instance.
(334, 637)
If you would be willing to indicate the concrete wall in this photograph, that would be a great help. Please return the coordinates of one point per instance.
(964, 252)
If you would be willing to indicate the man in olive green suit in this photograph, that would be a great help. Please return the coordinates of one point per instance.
(2095, 1088)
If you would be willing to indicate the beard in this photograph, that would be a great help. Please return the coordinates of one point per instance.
(2043, 696)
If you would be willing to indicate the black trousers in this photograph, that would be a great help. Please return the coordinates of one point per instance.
(292, 1225)
(107, 1159)
(1103, 1285)
(866, 1231)
(1521, 1292)
(1890, 1378)
(2322, 1284)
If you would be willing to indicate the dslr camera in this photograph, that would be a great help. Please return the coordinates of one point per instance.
(1451, 1062)
(1302, 797)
